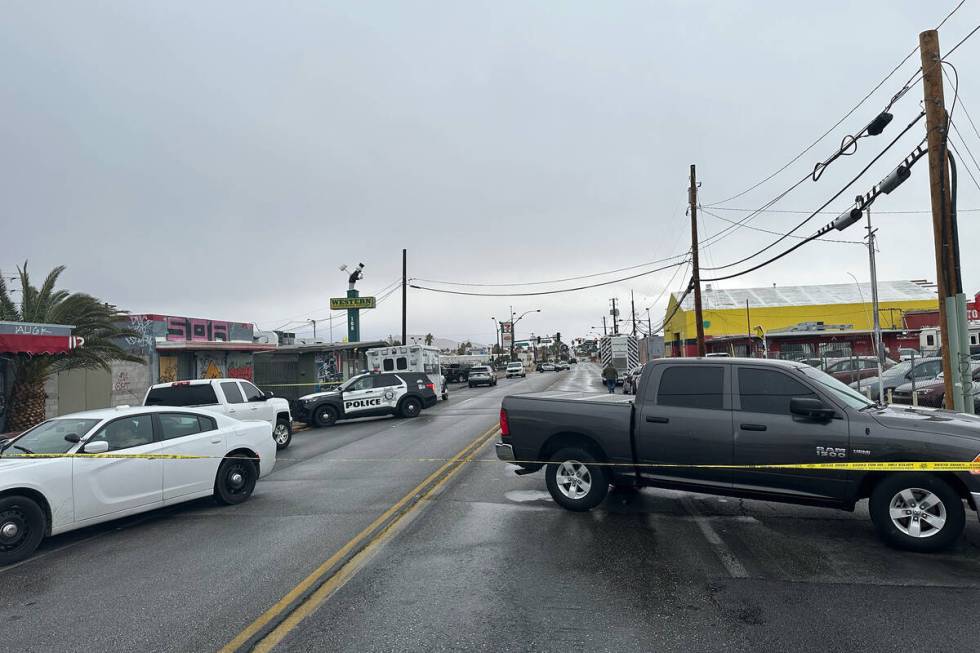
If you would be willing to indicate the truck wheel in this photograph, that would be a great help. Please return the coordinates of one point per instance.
(573, 482)
(325, 415)
(282, 433)
(22, 527)
(917, 512)
(411, 407)
(235, 480)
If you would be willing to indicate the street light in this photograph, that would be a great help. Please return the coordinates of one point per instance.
(513, 324)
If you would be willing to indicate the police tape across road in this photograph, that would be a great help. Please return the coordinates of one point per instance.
(922, 466)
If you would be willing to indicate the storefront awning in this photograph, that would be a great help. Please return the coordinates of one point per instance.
(37, 339)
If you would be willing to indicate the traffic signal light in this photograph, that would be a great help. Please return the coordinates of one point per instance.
(558, 336)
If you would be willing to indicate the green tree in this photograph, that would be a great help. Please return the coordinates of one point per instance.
(99, 323)
(428, 339)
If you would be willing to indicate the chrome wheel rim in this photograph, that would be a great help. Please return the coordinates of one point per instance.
(281, 434)
(574, 479)
(917, 513)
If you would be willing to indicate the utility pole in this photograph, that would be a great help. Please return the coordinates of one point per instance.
(615, 317)
(604, 331)
(649, 324)
(879, 349)
(314, 329)
(748, 329)
(633, 312)
(511, 332)
(404, 295)
(698, 315)
(936, 135)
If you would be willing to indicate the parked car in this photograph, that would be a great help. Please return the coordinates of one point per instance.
(900, 374)
(561, 366)
(929, 392)
(516, 368)
(782, 412)
(631, 380)
(482, 375)
(49, 496)
(235, 398)
(547, 367)
(813, 362)
(907, 353)
(404, 394)
(456, 373)
(849, 370)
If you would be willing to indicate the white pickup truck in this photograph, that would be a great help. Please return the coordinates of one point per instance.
(235, 398)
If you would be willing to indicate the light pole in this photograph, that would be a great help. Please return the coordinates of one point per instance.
(496, 337)
(513, 324)
(313, 322)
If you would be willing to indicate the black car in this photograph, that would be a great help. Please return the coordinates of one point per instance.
(730, 426)
(404, 394)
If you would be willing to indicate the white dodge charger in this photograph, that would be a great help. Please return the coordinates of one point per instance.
(52, 493)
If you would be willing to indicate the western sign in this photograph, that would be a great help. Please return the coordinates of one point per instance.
(344, 303)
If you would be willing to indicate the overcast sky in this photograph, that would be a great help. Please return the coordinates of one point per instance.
(222, 159)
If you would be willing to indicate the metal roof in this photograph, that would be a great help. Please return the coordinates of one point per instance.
(837, 293)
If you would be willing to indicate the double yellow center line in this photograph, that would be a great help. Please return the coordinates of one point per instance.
(273, 625)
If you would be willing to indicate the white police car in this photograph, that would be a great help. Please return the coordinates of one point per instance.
(404, 394)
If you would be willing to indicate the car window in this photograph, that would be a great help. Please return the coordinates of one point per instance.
(177, 425)
(126, 432)
(232, 392)
(839, 367)
(386, 380)
(768, 391)
(207, 423)
(251, 392)
(363, 383)
(49, 437)
(692, 386)
(186, 394)
(927, 370)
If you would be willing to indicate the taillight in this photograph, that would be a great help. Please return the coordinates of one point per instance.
(504, 426)
(976, 472)
(431, 386)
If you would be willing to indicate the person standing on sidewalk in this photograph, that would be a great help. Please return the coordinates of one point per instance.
(609, 375)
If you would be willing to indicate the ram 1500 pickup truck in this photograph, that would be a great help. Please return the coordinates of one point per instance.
(701, 424)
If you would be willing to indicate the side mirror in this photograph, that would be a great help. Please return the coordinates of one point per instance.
(811, 408)
(73, 438)
(99, 446)
(268, 395)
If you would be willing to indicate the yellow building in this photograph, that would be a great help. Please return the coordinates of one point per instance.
(843, 308)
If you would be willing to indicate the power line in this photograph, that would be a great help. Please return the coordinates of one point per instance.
(778, 233)
(828, 202)
(546, 292)
(962, 41)
(966, 167)
(743, 210)
(847, 115)
(539, 283)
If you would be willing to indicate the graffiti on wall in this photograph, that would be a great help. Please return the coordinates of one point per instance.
(168, 369)
(187, 328)
(141, 342)
(240, 366)
(328, 367)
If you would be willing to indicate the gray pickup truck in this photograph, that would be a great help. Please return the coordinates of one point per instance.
(731, 412)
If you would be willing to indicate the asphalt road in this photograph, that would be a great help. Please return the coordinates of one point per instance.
(190, 577)
(486, 562)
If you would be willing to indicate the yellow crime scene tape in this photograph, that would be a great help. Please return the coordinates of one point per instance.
(908, 466)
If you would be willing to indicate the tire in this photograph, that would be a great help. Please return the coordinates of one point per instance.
(324, 415)
(282, 433)
(235, 480)
(898, 522)
(445, 396)
(410, 407)
(23, 525)
(471, 385)
(584, 494)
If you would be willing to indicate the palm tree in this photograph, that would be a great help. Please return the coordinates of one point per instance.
(97, 322)
(428, 339)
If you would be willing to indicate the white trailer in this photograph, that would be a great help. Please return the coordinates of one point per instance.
(622, 351)
(409, 358)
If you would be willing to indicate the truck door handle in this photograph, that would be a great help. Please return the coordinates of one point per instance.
(753, 427)
(657, 420)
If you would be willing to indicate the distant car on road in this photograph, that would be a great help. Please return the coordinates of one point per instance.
(235, 398)
(547, 367)
(53, 495)
(516, 368)
(403, 394)
(482, 375)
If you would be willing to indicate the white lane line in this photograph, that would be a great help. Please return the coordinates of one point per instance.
(732, 564)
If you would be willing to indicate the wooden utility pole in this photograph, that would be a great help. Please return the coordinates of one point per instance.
(942, 223)
(748, 329)
(633, 312)
(698, 316)
(615, 317)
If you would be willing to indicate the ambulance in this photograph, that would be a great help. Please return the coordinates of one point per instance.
(410, 358)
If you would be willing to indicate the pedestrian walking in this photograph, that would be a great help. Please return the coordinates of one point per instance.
(609, 374)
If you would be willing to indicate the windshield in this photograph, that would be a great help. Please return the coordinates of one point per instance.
(354, 379)
(515, 365)
(841, 391)
(49, 437)
(901, 369)
(479, 369)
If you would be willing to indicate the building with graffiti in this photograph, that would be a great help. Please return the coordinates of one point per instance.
(292, 371)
